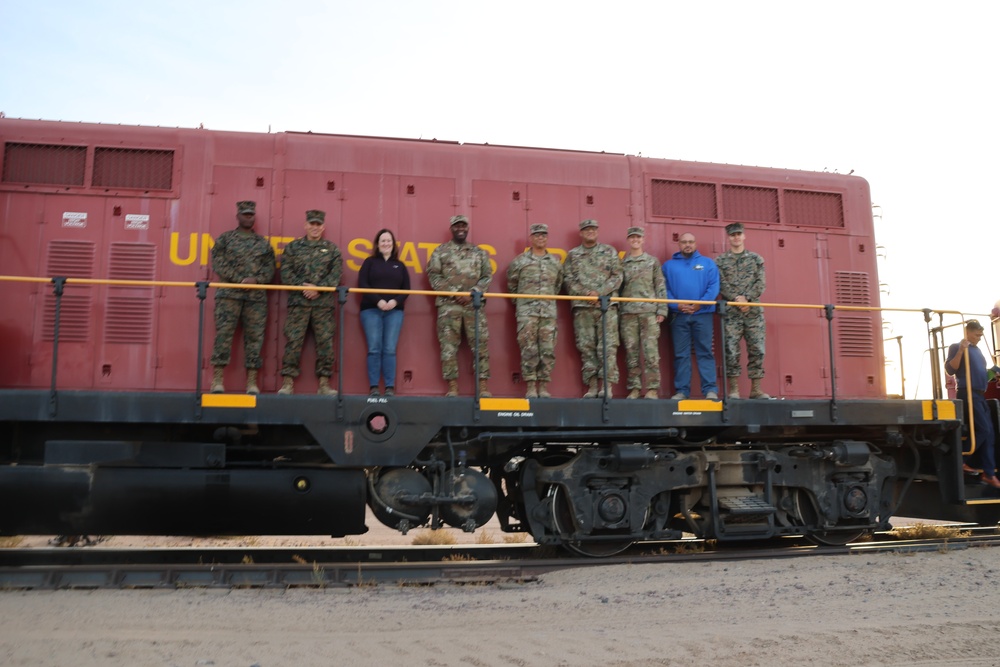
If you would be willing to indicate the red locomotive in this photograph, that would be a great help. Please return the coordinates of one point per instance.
(107, 429)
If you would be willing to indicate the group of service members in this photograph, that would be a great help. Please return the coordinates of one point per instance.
(591, 270)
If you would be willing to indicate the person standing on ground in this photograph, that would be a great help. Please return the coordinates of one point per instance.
(593, 270)
(741, 278)
(382, 314)
(310, 261)
(536, 271)
(692, 276)
(459, 266)
(245, 257)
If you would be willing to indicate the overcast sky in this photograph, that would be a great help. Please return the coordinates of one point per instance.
(903, 93)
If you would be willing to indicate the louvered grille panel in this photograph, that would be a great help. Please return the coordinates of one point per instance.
(44, 164)
(74, 315)
(129, 316)
(133, 168)
(132, 261)
(814, 209)
(855, 335)
(683, 199)
(748, 204)
(70, 259)
(852, 288)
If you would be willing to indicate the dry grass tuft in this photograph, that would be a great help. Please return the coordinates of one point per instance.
(515, 538)
(485, 537)
(926, 531)
(427, 537)
(11, 542)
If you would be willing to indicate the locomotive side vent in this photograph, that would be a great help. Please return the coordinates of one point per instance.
(129, 313)
(683, 199)
(814, 209)
(855, 332)
(138, 168)
(749, 204)
(69, 259)
(44, 164)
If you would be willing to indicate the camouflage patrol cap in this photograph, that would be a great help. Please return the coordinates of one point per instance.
(635, 231)
(539, 229)
(734, 228)
(455, 219)
(585, 224)
(246, 207)
(314, 215)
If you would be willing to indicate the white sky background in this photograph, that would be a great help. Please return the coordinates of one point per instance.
(903, 93)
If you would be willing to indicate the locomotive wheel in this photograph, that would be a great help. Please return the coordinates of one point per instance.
(562, 521)
(807, 515)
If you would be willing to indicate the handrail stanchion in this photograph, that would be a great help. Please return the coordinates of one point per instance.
(342, 302)
(932, 346)
(58, 285)
(970, 409)
(828, 309)
(477, 304)
(202, 292)
(605, 301)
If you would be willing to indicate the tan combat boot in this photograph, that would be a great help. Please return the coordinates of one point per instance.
(532, 390)
(653, 394)
(252, 387)
(287, 386)
(634, 393)
(605, 387)
(734, 386)
(324, 387)
(543, 390)
(591, 388)
(217, 386)
(755, 390)
(484, 391)
(452, 388)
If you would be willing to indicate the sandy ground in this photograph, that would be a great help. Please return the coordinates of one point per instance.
(890, 609)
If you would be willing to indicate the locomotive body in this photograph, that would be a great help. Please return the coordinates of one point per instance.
(106, 429)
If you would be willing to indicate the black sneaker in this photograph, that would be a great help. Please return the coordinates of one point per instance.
(390, 391)
(373, 391)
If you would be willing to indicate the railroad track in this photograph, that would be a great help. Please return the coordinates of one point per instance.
(291, 567)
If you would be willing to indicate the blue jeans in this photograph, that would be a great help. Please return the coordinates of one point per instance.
(983, 425)
(382, 329)
(697, 329)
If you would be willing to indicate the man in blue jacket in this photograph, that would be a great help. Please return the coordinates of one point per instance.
(691, 275)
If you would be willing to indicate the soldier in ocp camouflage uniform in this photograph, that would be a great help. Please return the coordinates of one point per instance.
(536, 271)
(741, 278)
(243, 256)
(640, 322)
(310, 261)
(459, 266)
(593, 269)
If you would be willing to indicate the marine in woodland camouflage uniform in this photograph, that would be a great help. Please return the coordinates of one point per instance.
(241, 255)
(310, 261)
(640, 322)
(741, 278)
(459, 266)
(594, 269)
(536, 271)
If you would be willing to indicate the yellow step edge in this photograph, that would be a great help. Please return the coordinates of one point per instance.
(228, 401)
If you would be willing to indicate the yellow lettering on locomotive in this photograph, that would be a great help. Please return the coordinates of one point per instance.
(192, 248)
(359, 249)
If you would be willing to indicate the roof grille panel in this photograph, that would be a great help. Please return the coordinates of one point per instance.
(749, 204)
(684, 199)
(44, 164)
(814, 209)
(138, 168)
